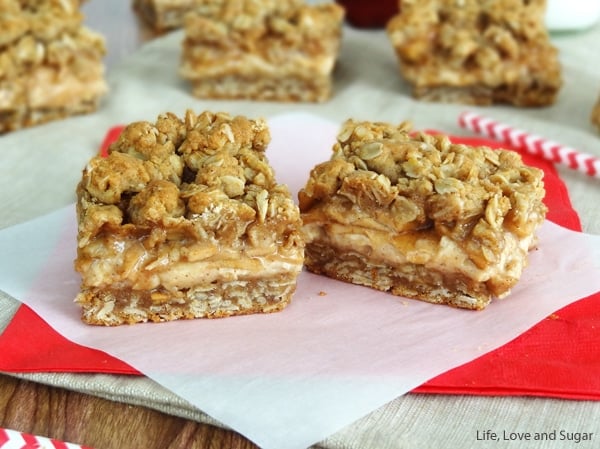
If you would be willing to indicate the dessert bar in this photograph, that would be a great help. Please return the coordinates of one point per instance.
(421, 217)
(184, 219)
(263, 50)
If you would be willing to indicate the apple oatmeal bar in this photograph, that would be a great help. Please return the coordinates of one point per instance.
(50, 64)
(269, 50)
(476, 52)
(184, 219)
(419, 216)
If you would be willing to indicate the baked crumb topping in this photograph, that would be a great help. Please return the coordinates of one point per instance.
(469, 43)
(248, 20)
(206, 176)
(167, 14)
(268, 29)
(247, 14)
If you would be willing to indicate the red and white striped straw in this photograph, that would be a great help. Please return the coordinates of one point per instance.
(536, 145)
(11, 439)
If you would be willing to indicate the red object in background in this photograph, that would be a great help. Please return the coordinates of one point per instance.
(111, 136)
(369, 14)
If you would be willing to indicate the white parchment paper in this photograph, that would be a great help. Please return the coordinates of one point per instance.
(290, 379)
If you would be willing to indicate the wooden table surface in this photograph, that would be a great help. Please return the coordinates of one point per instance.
(69, 416)
(73, 417)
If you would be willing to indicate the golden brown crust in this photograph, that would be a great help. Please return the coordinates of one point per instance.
(263, 50)
(50, 65)
(110, 307)
(476, 52)
(420, 216)
(187, 210)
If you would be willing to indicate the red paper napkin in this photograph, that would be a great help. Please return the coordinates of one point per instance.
(559, 357)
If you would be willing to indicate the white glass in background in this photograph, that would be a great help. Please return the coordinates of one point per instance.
(572, 15)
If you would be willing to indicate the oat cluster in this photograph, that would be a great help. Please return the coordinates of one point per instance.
(266, 28)
(398, 181)
(469, 43)
(205, 175)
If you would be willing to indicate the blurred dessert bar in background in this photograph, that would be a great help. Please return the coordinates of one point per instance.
(164, 15)
(476, 52)
(50, 64)
(271, 50)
